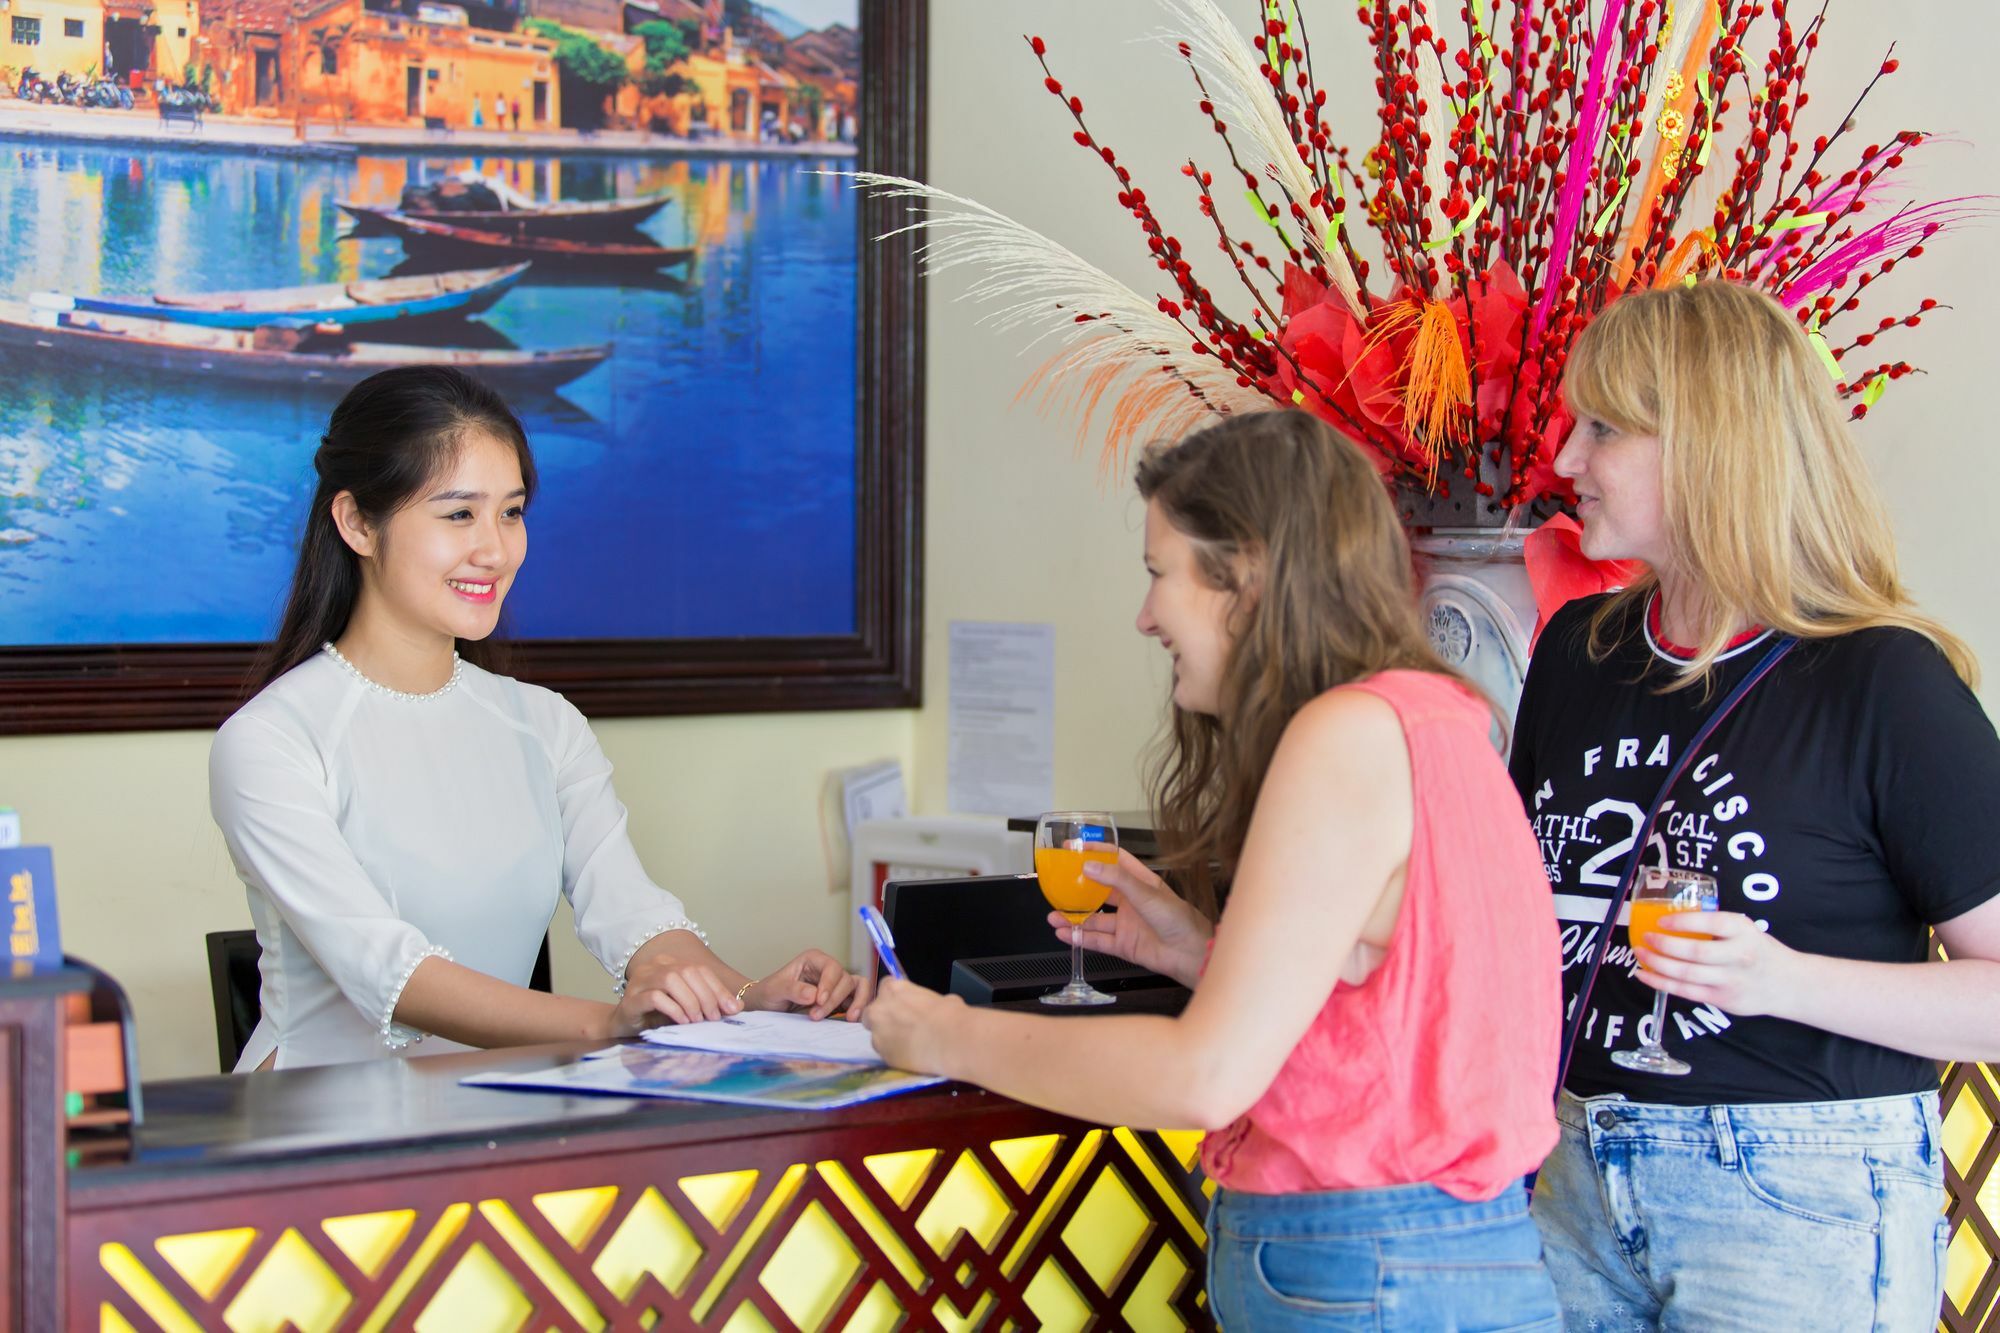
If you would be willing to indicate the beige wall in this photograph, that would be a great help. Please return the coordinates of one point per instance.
(1018, 527)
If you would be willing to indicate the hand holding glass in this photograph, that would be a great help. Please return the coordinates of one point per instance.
(1065, 842)
(1661, 892)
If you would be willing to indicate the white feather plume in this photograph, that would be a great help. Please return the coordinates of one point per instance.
(1229, 65)
(1126, 349)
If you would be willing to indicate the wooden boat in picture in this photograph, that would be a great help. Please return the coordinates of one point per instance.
(542, 249)
(486, 204)
(278, 354)
(369, 301)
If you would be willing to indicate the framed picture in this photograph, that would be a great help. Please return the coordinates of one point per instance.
(627, 215)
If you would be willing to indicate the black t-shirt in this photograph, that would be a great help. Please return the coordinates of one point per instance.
(1850, 801)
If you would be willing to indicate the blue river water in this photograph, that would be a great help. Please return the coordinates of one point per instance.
(700, 482)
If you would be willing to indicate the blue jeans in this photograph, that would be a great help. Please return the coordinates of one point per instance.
(1818, 1215)
(1385, 1260)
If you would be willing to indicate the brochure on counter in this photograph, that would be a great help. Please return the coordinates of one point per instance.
(649, 1070)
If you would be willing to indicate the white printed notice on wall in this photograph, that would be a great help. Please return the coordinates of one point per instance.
(1003, 718)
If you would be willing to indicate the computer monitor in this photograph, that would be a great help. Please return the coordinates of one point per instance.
(938, 921)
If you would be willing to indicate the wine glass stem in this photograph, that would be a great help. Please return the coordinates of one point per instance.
(1075, 956)
(1656, 1042)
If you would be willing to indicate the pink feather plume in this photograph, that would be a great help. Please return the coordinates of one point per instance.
(1906, 228)
(1576, 177)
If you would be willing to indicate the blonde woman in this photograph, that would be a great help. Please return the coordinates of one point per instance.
(1847, 807)
(1386, 945)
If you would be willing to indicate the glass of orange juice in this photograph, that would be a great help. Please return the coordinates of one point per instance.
(1661, 892)
(1065, 842)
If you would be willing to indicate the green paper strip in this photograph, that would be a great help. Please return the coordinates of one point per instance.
(1298, 396)
(1875, 391)
(1604, 218)
(1333, 229)
(1471, 216)
(1708, 120)
(1270, 216)
(1826, 356)
(1801, 220)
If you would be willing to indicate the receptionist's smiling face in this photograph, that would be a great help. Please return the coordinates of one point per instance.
(1186, 613)
(443, 563)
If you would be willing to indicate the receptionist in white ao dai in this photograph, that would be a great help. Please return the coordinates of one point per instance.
(402, 818)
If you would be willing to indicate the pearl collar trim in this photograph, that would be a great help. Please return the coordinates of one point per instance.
(457, 667)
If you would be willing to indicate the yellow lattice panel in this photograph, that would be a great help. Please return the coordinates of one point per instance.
(1151, 1306)
(478, 1294)
(577, 1214)
(206, 1259)
(548, 1270)
(775, 1204)
(1056, 1301)
(450, 1222)
(902, 1174)
(721, 1196)
(368, 1239)
(652, 1240)
(872, 1221)
(1106, 1230)
(811, 1269)
(1026, 1159)
(1971, 1142)
(877, 1313)
(967, 1201)
(1965, 1266)
(292, 1288)
(124, 1268)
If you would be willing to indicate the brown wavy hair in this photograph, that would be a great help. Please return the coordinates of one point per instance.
(1325, 596)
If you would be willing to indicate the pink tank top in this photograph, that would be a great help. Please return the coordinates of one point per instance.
(1439, 1068)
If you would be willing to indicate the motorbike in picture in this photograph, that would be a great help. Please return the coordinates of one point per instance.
(34, 88)
(108, 93)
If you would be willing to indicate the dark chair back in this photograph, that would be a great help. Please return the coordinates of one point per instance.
(234, 981)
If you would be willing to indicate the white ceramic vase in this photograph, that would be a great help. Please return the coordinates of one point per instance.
(1479, 606)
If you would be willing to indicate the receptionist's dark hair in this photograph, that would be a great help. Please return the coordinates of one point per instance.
(390, 437)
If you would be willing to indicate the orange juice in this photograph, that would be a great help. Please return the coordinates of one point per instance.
(1646, 914)
(1061, 872)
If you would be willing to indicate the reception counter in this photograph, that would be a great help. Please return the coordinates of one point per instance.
(386, 1195)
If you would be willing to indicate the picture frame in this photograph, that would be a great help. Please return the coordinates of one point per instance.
(52, 689)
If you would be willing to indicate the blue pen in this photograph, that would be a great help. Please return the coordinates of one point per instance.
(885, 943)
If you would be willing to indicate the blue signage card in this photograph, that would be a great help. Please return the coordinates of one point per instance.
(34, 942)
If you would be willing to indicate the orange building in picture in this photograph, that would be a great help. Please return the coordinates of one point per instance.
(339, 60)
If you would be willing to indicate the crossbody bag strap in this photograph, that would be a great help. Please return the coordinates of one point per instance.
(1784, 644)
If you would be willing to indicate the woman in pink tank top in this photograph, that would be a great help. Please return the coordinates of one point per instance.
(1372, 1035)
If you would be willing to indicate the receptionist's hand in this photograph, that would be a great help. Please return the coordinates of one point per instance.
(640, 1008)
(1152, 927)
(911, 1025)
(814, 983)
(690, 991)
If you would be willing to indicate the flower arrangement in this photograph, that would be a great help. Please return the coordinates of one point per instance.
(1533, 160)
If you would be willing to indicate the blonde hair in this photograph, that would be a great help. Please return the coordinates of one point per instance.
(1330, 599)
(1768, 507)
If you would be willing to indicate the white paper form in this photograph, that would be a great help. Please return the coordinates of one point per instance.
(1003, 718)
(760, 1032)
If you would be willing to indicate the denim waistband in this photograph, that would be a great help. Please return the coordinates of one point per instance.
(1391, 1210)
(1910, 1118)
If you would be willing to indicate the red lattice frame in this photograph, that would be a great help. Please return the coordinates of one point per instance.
(299, 1198)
